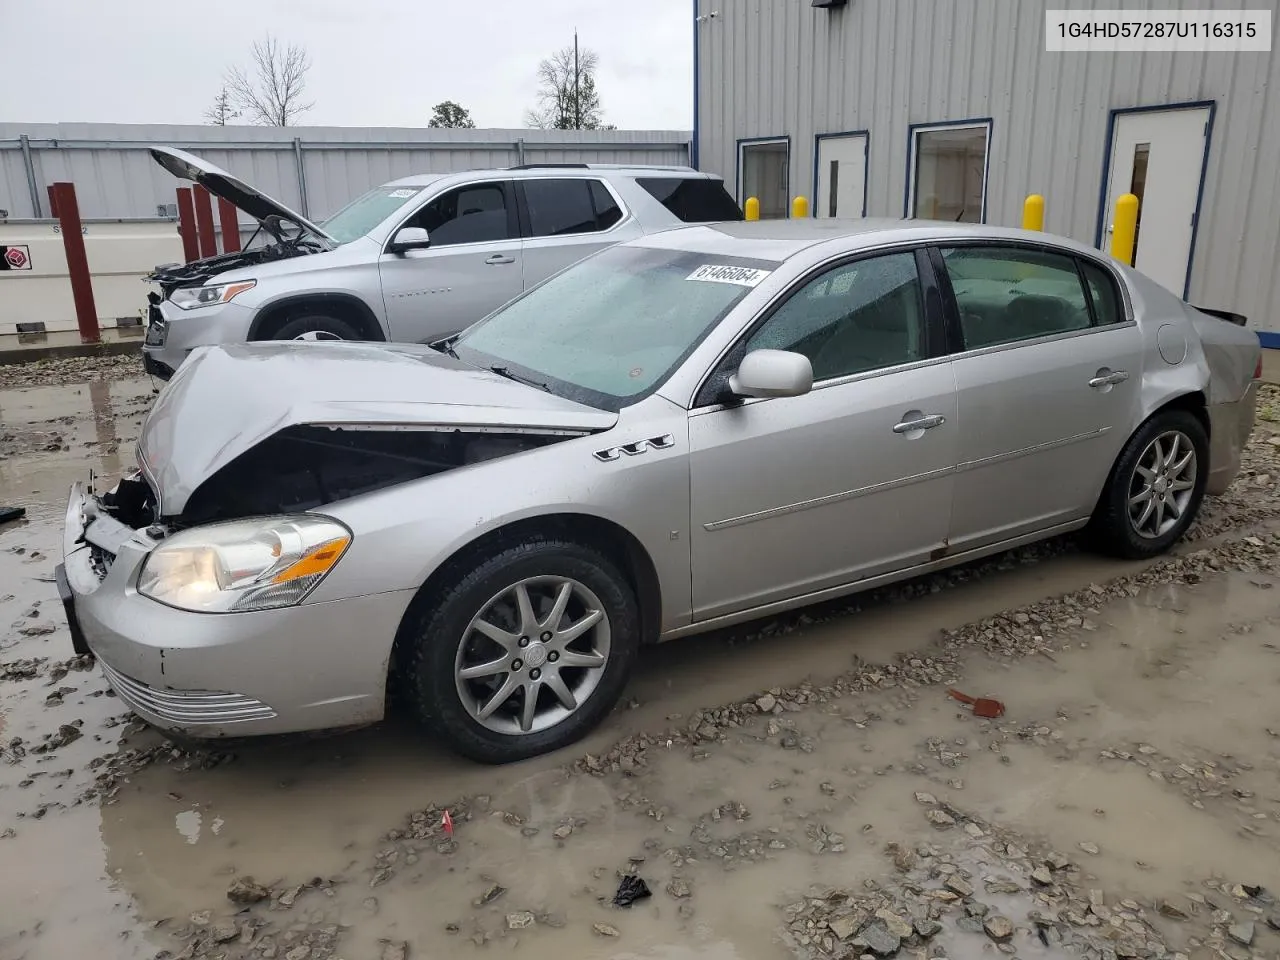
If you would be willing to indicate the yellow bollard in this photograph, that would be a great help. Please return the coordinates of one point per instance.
(1033, 213)
(752, 208)
(1124, 228)
(800, 208)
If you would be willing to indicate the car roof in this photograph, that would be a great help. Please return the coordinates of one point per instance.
(535, 171)
(781, 239)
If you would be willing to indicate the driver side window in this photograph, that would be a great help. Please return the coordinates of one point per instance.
(856, 317)
(475, 213)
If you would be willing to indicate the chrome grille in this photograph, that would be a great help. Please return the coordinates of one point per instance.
(185, 706)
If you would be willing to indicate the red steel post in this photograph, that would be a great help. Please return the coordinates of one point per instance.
(230, 225)
(204, 221)
(187, 225)
(53, 202)
(64, 201)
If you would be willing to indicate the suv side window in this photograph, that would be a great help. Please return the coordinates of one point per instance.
(1006, 294)
(560, 207)
(475, 213)
(860, 316)
(692, 200)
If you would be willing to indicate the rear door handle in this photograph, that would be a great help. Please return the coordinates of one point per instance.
(1109, 379)
(501, 258)
(920, 423)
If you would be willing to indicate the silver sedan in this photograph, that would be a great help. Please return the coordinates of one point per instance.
(681, 432)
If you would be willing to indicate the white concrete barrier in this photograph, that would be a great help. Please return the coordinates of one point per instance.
(120, 253)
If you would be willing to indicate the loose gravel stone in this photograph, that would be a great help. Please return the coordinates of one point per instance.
(998, 928)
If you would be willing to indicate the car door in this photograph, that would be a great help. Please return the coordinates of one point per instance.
(1048, 373)
(790, 496)
(566, 219)
(471, 268)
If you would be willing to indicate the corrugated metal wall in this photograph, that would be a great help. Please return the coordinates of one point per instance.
(784, 68)
(116, 177)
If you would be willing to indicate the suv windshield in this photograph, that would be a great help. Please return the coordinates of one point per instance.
(365, 212)
(610, 329)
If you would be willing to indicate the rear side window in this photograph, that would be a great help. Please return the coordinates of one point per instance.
(692, 200)
(1006, 294)
(1102, 289)
(560, 207)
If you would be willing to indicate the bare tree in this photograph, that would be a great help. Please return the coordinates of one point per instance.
(567, 95)
(447, 113)
(270, 92)
(222, 111)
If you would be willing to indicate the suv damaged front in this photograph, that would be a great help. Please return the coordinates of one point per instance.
(197, 564)
(282, 234)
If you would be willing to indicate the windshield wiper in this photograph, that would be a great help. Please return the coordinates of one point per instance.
(503, 371)
(446, 346)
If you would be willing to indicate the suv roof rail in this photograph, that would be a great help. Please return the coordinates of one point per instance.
(550, 166)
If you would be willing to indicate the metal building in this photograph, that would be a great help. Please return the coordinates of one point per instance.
(954, 109)
(314, 170)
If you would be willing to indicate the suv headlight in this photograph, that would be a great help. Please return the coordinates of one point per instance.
(244, 564)
(188, 298)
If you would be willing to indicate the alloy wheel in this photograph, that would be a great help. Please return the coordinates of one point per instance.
(533, 655)
(1162, 485)
(317, 335)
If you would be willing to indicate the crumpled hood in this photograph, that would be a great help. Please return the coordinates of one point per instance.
(225, 400)
(187, 166)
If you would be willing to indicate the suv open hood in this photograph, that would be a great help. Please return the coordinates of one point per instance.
(225, 400)
(255, 203)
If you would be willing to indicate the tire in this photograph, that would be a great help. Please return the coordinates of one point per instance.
(316, 326)
(443, 642)
(1115, 528)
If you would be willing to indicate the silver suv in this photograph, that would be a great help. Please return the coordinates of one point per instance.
(413, 260)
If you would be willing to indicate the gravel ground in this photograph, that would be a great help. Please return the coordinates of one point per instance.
(66, 370)
(859, 814)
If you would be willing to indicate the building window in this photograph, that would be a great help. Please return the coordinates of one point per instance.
(949, 172)
(764, 173)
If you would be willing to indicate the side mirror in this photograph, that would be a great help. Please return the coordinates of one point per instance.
(772, 373)
(409, 238)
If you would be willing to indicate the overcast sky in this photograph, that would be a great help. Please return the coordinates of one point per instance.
(375, 62)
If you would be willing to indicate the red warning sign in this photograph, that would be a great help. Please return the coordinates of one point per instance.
(15, 257)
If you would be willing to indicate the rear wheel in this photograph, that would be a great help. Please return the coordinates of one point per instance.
(1155, 488)
(317, 326)
(525, 653)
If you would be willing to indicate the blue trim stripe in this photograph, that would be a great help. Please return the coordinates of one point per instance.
(695, 149)
(1269, 339)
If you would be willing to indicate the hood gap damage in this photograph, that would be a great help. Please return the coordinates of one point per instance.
(306, 466)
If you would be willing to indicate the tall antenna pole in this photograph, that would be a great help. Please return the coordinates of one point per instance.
(577, 99)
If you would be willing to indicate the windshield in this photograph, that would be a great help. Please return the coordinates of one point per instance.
(610, 329)
(365, 212)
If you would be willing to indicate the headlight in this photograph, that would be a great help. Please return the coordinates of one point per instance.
(188, 298)
(244, 564)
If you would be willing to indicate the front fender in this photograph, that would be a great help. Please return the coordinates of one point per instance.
(403, 534)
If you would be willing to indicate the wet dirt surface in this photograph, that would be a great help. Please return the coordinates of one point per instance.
(800, 787)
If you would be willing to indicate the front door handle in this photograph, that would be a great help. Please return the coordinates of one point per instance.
(1108, 379)
(501, 258)
(920, 423)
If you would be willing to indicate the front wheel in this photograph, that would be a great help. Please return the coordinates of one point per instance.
(1155, 489)
(317, 327)
(524, 654)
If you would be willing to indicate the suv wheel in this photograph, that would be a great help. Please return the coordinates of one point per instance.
(317, 327)
(524, 654)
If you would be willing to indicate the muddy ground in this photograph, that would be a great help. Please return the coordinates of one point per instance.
(803, 787)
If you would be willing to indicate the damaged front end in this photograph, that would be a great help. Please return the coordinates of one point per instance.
(304, 467)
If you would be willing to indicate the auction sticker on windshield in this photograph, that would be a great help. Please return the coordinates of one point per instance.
(724, 273)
